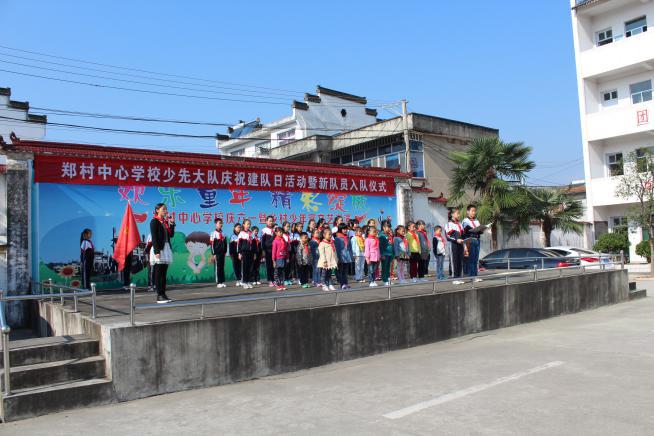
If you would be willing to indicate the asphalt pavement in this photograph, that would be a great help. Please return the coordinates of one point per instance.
(587, 373)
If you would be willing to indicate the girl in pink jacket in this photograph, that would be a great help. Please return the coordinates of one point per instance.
(372, 254)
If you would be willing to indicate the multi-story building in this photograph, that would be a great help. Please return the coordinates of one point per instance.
(327, 112)
(615, 69)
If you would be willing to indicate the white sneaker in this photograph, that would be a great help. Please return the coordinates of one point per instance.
(414, 280)
(479, 280)
(332, 288)
(458, 282)
(325, 288)
(372, 284)
(387, 283)
(238, 283)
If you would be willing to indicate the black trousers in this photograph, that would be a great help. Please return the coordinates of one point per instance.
(220, 269)
(423, 267)
(270, 267)
(159, 276)
(87, 269)
(256, 265)
(457, 260)
(303, 272)
(247, 260)
(127, 271)
(236, 264)
(341, 273)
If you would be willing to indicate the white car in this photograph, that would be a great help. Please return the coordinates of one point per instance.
(587, 257)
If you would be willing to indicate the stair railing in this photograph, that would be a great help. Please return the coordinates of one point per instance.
(75, 294)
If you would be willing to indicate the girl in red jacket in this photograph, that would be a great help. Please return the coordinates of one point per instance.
(280, 257)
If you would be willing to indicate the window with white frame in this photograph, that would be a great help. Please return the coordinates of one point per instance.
(619, 223)
(643, 158)
(614, 164)
(609, 98)
(641, 91)
(635, 26)
(417, 159)
(285, 136)
(604, 37)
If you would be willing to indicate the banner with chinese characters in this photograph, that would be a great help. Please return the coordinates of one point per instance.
(69, 170)
(62, 211)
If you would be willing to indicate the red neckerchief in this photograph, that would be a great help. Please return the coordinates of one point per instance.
(441, 237)
(306, 248)
(458, 224)
(220, 235)
(344, 238)
(415, 236)
(331, 243)
(286, 237)
(316, 239)
(389, 235)
(424, 233)
(90, 242)
(405, 241)
(165, 224)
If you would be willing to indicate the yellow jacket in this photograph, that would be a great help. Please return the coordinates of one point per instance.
(414, 242)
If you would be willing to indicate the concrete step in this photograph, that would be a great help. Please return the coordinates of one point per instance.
(31, 402)
(638, 293)
(632, 286)
(51, 349)
(41, 374)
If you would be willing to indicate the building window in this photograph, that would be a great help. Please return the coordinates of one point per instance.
(641, 91)
(619, 224)
(346, 159)
(285, 137)
(643, 157)
(604, 37)
(610, 98)
(263, 148)
(365, 163)
(392, 161)
(615, 164)
(336, 160)
(417, 159)
(240, 152)
(636, 26)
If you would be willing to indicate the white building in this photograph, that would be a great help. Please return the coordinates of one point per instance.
(14, 118)
(615, 69)
(326, 113)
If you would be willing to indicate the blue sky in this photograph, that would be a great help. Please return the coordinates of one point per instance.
(507, 64)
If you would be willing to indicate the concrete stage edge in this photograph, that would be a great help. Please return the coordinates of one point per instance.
(153, 359)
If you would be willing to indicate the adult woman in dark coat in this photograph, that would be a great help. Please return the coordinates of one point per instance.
(162, 228)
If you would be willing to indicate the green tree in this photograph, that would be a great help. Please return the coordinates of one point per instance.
(552, 208)
(490, 172)
(637, 186)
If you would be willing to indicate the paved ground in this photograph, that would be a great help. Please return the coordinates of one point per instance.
(588, 373)
(113, 308)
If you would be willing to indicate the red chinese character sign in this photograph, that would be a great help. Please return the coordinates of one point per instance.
(642, 117)
(69, 170)
(63, 210)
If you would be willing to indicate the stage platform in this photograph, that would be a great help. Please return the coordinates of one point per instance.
(113, 307)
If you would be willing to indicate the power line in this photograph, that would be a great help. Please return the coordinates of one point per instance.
(159, 73)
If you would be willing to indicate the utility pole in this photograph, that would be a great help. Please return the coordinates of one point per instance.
(407, 145)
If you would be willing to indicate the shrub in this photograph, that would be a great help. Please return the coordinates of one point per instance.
(642, 249)
(612, 243)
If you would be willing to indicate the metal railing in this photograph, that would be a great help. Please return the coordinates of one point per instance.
(532, 272)
(51, 295)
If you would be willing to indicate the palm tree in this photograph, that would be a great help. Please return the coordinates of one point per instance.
(553, 208)
(492, 172)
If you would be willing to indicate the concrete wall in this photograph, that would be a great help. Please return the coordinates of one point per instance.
(155, 359)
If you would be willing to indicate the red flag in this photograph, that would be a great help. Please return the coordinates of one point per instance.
(128, 238)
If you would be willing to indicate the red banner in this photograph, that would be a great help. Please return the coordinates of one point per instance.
(82, 171)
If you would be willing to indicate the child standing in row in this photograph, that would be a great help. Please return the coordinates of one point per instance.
(343, 255)
(246, 253)
(372, 254)
(218, 250)
(279, 258)
(440, 248)
(327, 260)
(304, 259)
(387, 254)
(414, 250)
(358, 252)
(401, 251)
(313, 244)
(256, 259)
(86, 257)
(423, 266)
(233, 253)
(454, 236)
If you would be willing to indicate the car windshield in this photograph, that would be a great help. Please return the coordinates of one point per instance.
(582, 251)
(560, 251)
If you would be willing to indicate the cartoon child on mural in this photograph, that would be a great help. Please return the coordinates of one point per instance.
(197, 244)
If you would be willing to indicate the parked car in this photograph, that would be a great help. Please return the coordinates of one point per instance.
(587, 257)
(526, 258)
